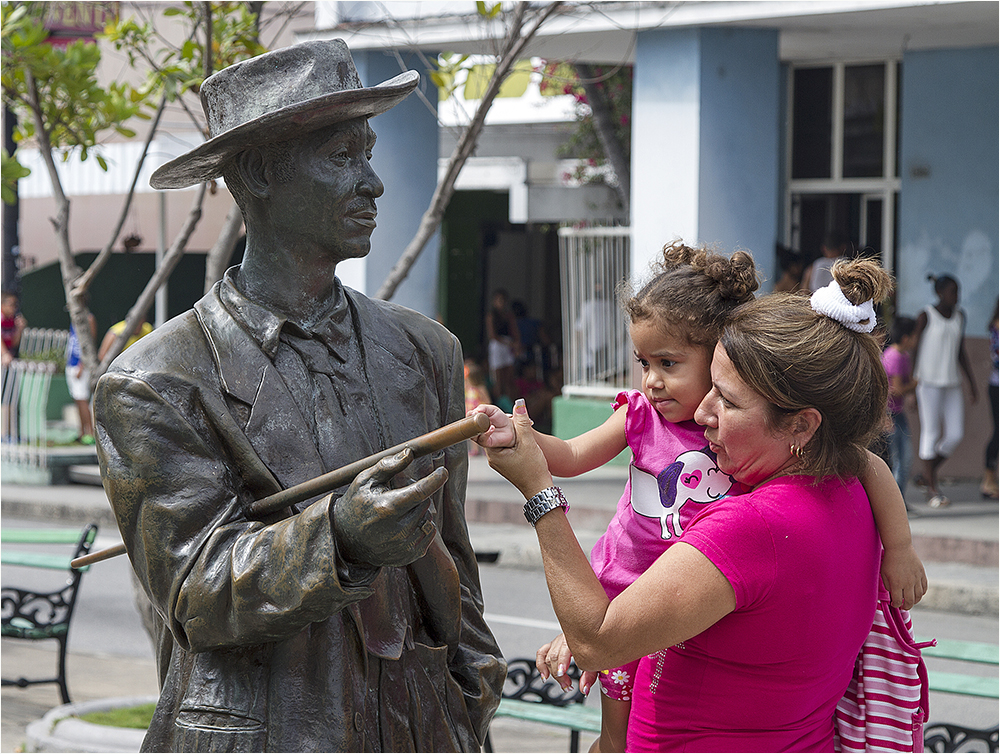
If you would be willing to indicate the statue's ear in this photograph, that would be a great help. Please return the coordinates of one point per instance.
(253, 172)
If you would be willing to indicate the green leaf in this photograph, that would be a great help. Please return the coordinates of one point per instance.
(102, 162)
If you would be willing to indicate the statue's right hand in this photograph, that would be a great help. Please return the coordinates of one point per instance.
(377, 525)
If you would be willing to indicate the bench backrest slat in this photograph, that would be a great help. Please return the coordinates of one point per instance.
(967, 685)
(40, 536)
(970, 651)
(35, 560)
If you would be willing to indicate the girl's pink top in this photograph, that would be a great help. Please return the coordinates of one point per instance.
(672, 477)
(803, 562)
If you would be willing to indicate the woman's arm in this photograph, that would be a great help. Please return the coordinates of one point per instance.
(680, 595)
(902, 572)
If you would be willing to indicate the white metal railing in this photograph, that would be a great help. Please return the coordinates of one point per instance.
(42, 344)
(26, 383)
(25, 402)
(597, 352)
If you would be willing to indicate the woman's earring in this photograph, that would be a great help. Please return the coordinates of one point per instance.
(796, 450)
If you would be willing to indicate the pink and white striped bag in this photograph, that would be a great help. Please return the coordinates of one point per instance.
(885, 706)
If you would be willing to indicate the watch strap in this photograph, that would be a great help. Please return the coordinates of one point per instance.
(547, 500)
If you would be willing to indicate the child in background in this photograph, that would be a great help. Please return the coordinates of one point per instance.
(476, 392)
(899, 368)
(676, 320)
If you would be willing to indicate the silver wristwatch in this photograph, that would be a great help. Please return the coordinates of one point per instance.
(545, 501)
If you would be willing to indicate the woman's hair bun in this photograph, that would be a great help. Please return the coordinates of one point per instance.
(861, 280)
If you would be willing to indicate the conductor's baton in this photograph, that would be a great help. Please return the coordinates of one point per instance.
(439, 439)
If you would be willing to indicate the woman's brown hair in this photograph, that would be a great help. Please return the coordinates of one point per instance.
(797, 358)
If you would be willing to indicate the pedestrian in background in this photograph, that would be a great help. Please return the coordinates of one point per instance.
(899, 367)
(78, 381)
(989, 485)
(940, 354)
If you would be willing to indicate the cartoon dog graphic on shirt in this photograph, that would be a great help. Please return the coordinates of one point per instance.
(692, 479)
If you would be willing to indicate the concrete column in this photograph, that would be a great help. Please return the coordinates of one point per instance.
(705, 142)
(405, 158)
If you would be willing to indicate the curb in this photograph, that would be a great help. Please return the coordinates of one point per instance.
(59, 729)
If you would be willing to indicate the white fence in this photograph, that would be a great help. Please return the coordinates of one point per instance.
(26, 383)
(597, 352)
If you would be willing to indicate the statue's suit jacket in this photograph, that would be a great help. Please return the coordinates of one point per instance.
(271, 637)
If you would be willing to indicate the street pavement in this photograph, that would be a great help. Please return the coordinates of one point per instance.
(958, 545)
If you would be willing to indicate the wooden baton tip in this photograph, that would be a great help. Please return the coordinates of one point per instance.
(97, 557)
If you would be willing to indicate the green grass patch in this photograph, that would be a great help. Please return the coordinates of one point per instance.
(123, 717)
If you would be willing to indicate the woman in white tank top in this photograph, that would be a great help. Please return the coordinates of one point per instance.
(939, 355)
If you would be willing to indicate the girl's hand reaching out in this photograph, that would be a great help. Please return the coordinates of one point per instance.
(553, 659)
(501, 431)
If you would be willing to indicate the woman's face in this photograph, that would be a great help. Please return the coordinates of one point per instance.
(735, 419)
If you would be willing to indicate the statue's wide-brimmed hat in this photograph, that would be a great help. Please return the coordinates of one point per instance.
(277, 96)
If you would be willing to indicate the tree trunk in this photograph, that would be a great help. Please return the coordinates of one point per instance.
(78, 313)
(605, 128)
(138, 311)
(221, 252)
(514, 44)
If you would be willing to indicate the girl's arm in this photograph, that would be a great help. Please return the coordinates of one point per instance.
(902, 572)
(490, 331)
(565, 458)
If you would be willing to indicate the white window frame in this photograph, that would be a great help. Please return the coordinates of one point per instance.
(887, 186)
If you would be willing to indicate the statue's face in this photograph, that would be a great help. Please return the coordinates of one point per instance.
(329, 200)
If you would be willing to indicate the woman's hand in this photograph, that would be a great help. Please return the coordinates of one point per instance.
(522, 464)
(903, 576)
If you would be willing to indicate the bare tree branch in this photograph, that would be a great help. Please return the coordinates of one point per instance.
(605, 129)
(173, 255)
(85, 280)
(513, 45)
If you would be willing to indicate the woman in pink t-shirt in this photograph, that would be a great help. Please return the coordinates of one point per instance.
(766, 598)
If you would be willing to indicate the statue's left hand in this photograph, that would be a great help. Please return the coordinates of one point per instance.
(377, 525)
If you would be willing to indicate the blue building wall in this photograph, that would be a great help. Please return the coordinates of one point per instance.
(665, 131)
(405, 158)
(739, 145)
(705, 141)
(948, 219)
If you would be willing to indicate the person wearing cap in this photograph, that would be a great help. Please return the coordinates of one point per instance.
(352, 621)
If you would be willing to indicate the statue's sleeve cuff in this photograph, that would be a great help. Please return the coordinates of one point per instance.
(355, 575)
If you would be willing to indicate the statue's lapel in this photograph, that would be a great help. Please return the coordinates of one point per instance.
(398, 386)
(275, 426)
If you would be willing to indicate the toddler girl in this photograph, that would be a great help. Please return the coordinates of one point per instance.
(676, 320)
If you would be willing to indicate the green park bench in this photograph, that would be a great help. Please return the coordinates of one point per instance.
(527, 697)
(36, 615)
(948, 736)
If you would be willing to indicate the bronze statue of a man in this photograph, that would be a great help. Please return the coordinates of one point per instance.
(352, 622)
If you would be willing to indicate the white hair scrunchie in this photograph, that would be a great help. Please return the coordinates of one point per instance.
(832, 302)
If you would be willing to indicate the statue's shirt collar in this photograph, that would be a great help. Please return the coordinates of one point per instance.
(265, 325)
